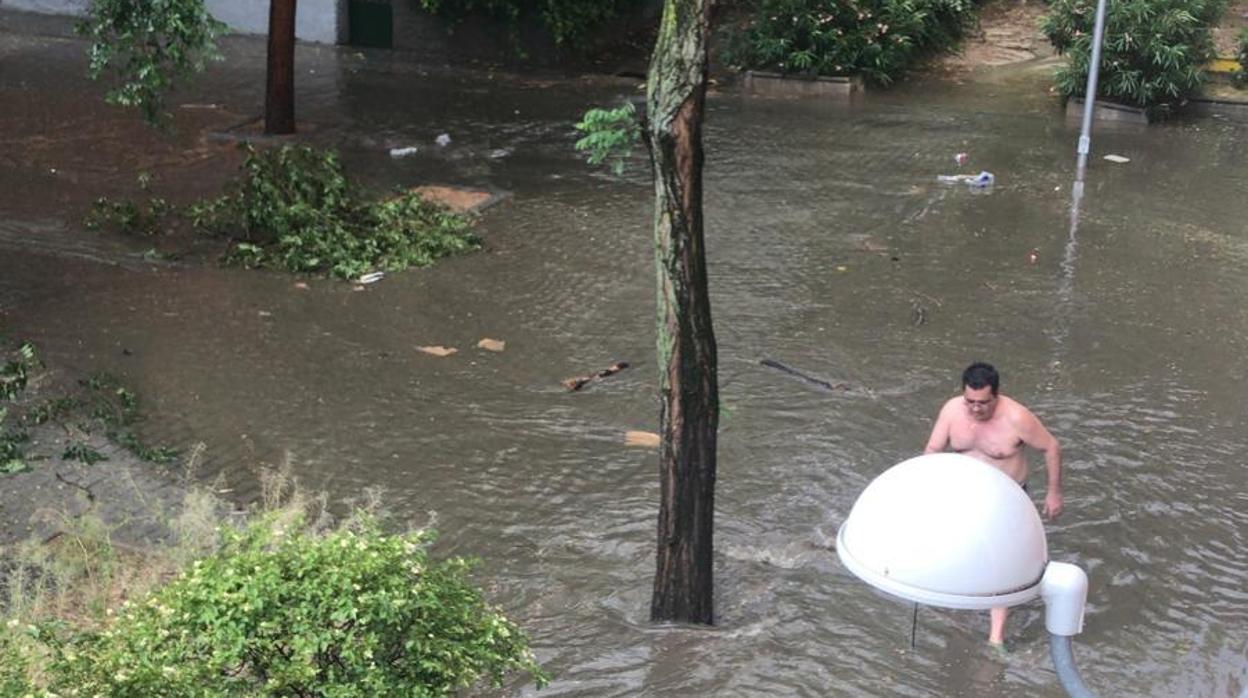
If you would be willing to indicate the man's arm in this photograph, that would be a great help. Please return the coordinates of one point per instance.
(940, 432)
(1035, 435)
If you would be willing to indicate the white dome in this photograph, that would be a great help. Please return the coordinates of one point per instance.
(947, 530)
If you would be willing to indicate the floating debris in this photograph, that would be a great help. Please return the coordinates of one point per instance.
(491, 344)
(404, 152)
(371, 278)
(438, 350)
(578, 382)
(1117, 158)
(645, 439)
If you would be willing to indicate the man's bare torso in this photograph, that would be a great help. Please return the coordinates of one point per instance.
(995, 441)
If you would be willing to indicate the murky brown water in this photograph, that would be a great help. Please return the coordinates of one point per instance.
(829, 237)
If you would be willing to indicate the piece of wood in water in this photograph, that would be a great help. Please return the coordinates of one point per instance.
(647, 439)
(826, 385)
(577, 382)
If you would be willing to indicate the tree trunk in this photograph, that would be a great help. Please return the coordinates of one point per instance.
(689, 411)
(279, 96)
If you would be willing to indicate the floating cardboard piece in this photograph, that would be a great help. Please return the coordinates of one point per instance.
(437, 350)
(645, 439)
(492, 344)
(457, 199)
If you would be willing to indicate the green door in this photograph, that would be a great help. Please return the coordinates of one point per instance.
(371, 23)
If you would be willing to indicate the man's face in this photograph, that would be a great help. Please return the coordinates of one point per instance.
(980, 402)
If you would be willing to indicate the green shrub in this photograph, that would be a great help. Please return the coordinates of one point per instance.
(877, 39)
(281, 611)
(129, 217)
(568, 21)
(1153, 54)
(293, 208)
(100, 404)
(14, 662)
(1241, 55)
(14, 376)
(610, 134)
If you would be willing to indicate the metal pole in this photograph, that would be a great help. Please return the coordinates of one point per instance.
(1089, 96)
(1067, 673)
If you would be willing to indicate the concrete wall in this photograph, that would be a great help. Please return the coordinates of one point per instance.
(47, 7)
(323, 21)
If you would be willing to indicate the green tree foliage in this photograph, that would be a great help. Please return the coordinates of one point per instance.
(568, 21)
(877, 39)
(147, 46)
(1153, 54)
(293, 208)
(610, 134)
(280, 610)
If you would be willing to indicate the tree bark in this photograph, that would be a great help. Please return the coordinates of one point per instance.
(279, 95)
(689, 393)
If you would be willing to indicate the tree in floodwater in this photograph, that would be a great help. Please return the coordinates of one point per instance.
(151, 46)
(279, 93)
(688, 383)
(688, 386)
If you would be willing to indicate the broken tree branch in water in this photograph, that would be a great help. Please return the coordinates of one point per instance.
(809, 379)
(577, 382)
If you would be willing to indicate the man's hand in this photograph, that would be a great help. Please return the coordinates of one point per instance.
(1052, 505)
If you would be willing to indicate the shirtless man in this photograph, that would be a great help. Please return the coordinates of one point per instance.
(995, 428)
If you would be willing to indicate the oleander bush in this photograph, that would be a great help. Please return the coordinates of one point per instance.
(876, 39)
(1154, 51)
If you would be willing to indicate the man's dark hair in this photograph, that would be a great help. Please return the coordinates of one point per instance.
(981, 375)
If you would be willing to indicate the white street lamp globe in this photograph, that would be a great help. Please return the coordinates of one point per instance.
(947, 530)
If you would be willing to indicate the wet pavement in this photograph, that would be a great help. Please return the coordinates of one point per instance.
(833, 249)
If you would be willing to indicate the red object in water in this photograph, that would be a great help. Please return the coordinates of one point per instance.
(962, 158)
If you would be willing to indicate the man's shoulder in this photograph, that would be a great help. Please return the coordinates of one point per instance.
(1015, 409)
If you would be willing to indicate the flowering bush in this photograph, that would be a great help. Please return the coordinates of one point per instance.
(1154, 51)
(286, 612)
(878, 39)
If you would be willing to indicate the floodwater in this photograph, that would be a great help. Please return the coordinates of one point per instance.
(833, 249)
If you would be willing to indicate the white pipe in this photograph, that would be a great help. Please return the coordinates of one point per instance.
(1064, 588)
